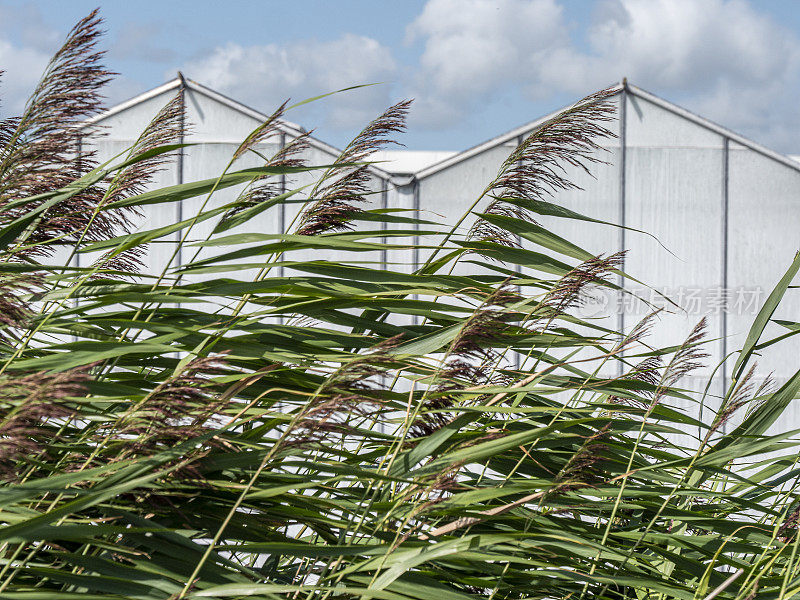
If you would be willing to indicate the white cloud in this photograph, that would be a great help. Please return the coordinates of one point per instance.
(725, 59)
(264, 76)
(26, 45)
(677, 44)
(722, 58)
(474, 47)
(23, 67)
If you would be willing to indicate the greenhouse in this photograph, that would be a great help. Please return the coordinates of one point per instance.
(721, 208)
(241, 362)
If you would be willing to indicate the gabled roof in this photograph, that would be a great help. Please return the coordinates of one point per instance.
(454, 158)
(512, 135)
(285, 126)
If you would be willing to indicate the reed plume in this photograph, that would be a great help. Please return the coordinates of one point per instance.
(40, 151)
(537, 168)
(343, 186)
(30, 409)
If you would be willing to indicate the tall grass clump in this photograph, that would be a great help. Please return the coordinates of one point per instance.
(332, 429)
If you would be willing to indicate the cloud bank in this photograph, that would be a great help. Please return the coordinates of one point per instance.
(728, 60)
(267, 75)
(723, 59)
(475, 48)
(22, 68)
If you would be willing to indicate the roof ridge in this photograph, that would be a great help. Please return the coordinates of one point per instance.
(627, 87)
(180, 79)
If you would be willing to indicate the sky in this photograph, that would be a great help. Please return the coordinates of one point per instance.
(475, 68)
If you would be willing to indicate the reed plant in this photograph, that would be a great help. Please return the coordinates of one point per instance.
(334, 429)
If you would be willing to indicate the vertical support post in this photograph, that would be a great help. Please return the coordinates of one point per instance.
(517, 268)
(520, 139)
(179, 174)
(179, 166)
(416, 201)
(623, 143)
(79, 150)
(77, 258)
(384, 265)
(724, 266)
(384, 206)
(282, 189)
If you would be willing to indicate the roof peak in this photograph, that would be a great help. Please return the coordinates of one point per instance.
(180, 79)
(624, 86)
(628, 88)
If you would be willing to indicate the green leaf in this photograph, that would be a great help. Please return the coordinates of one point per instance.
(763, 317)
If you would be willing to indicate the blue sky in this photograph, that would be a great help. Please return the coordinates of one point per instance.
(475, 67)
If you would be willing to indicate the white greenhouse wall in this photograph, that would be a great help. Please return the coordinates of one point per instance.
(215, 130)
(724, 216)
(674, 191)
(129, 123)
(727, 212)
(764, 212)
(212, 121)
(156, 256)
(447, 196)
